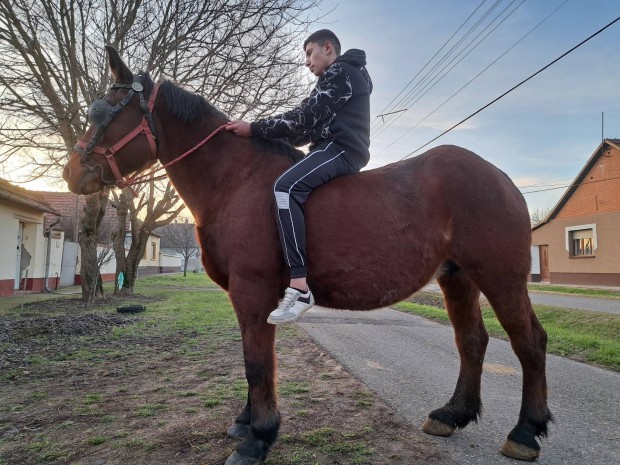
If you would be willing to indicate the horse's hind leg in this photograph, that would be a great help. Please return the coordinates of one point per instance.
(461, 298)
(513, 308)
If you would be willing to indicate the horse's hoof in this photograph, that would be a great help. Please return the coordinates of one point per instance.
(239, 431)
(437, 428)
(237, 459)
(517, 451)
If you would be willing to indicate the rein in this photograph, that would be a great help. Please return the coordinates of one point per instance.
(138, 178)
(146, 127)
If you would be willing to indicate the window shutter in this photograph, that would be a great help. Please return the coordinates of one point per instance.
(582, 234)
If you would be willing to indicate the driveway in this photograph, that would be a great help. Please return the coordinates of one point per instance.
(412, 363)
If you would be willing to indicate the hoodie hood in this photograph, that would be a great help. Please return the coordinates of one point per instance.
(356, 58)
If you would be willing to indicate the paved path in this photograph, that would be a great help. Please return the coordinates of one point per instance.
(596, 304)
(412, 364)
(578, 302)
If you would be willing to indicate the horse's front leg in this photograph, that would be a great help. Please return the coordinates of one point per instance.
(252, 304)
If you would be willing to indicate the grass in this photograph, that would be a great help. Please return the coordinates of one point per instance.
(585, 291)
(582, 335)
(44, 450)
(198, 324)
(332, 444)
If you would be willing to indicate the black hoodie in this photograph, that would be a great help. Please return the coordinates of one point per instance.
(337, 110)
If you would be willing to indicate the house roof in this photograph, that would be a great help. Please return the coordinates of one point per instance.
(72, 206)
(25, 197)
(579, 179)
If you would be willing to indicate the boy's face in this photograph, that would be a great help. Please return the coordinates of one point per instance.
(318, 58)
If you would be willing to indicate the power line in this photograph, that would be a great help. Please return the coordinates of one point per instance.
(442, 59)
(436, 53)
(432, 73)
(513, 88)
(545, 184)
(571, 185)
(475, 77)
(427, 83)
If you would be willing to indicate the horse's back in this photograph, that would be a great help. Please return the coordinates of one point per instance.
(394, 226)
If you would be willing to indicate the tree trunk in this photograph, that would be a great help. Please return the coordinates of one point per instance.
(94, 211)
(135, 255)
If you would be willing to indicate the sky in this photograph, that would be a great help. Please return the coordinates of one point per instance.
(540, 134)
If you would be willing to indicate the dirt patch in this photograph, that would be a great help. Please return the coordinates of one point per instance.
(101, 388)
(14, 331)
(428, 298)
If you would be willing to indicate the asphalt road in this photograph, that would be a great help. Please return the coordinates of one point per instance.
(570, 301)
(595, 304)
(412, 363)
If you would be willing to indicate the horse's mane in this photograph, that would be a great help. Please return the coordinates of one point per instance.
(189, 108)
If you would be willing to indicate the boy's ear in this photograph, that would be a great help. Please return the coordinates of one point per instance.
(120, 71)
(329, 47)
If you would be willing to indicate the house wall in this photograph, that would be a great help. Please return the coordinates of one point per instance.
(34, 242)
(9, 225)
(599, 192)
(150, 262)
(108, 270)
(169, 263)
(603, 268)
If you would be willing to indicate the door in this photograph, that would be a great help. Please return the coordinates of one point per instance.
(544, 264)
(18, 260)
(69, 263)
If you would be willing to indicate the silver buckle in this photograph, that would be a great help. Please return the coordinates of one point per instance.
(137, 87)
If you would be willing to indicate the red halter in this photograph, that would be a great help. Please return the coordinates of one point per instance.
(143, 128)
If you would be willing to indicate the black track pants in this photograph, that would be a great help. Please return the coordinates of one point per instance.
(291, 190)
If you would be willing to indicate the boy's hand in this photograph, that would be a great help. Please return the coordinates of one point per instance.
(239, 128)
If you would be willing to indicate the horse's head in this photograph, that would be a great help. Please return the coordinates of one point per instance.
(121, 138)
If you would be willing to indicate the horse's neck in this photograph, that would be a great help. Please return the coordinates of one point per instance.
(207, 178)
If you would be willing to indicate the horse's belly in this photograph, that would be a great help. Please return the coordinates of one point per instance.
(376, 285)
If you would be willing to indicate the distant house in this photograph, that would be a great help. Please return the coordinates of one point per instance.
(175, 244)
(30, 258)
(579, 242)
(72, 207)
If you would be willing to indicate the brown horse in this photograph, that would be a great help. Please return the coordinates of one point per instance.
(374, 238)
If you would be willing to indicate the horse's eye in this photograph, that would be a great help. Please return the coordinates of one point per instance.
(98, 111)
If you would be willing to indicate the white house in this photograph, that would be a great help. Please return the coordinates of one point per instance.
(30, 249)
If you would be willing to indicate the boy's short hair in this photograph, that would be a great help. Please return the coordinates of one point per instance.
(322, 36)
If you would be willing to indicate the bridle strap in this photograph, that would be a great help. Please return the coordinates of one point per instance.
(146, 127)
(138, 178)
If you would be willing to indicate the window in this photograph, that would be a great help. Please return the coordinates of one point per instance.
(581, 240)
(154, 249)
(581, 243)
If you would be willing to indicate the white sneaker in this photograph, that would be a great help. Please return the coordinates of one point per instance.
(292, 307)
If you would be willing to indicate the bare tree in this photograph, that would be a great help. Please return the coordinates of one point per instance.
(158, 208)
(538, 215)
(92, 262)
(180, 236)
(242, 55)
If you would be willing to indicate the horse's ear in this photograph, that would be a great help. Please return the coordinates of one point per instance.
(120, 71)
